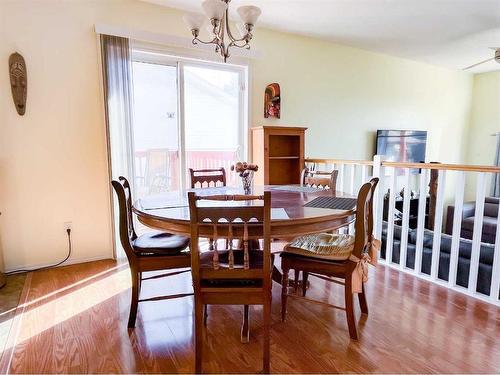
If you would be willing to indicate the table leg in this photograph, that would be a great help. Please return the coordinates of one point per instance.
(276, 273)
(245, 327)
(276, 277)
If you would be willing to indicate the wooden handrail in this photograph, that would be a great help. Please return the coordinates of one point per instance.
(438, 166)
(434, 166)
(339, 161)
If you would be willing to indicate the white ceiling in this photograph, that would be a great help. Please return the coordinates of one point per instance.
(450, 33)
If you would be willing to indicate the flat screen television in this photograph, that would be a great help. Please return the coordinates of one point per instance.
(402, 145)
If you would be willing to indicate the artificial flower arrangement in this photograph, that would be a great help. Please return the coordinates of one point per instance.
(244, 168)
(245, 171)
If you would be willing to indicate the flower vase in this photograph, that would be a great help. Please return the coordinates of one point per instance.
(247, 181)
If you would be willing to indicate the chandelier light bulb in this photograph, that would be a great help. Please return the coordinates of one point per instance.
(194, 20)
(249, 14)
(214, 9)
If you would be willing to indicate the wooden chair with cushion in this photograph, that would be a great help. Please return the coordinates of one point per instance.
(152, 251)
(231, 276)
(210, 177)
(319, 179)
(336, 256)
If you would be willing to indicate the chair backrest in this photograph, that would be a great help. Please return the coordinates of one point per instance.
(319, 179)
(364, 217)
(216, 177)
(242, 217)
(126, 223)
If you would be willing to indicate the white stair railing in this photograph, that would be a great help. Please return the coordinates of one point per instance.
(452, 180)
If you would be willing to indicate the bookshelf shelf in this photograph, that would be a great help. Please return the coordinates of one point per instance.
(279, 153)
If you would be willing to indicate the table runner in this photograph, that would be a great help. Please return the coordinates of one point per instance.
(335, 203)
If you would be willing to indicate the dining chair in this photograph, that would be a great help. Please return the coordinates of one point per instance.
(216, 177)
(210, 177)
(336, 256)
(319, 179)
(151, 251)
(231, 276)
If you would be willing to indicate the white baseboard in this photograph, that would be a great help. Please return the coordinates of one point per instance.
(70, 261)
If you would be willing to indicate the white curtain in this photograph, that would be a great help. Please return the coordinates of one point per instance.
(117, 79)
(495, 183)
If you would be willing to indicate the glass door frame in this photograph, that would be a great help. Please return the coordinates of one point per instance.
(153, 56)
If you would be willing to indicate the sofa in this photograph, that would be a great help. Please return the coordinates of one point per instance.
(489, 219)
(487, 251)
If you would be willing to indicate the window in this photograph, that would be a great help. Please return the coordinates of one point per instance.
(186, 114)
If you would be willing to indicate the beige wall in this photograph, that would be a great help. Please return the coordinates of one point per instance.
(485, 121)
(53, 160)
(344, 95)
(485, 118)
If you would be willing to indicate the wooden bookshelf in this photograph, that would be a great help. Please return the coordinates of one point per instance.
(279, 153)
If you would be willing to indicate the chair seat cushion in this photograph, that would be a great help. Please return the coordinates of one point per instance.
(322, 246)
(160, 243)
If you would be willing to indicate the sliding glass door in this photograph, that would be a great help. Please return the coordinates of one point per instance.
(212, 111)
(186, 115)
(155, 128)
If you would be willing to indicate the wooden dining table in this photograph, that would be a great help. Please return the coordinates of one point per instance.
(289, 218)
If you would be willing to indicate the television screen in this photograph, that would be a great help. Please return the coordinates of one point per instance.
(402, 145)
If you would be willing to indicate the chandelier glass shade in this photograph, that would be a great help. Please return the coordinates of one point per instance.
(216, 11)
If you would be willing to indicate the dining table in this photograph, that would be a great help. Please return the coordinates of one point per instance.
(290, 215)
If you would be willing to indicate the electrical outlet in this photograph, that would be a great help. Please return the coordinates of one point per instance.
(68, 225)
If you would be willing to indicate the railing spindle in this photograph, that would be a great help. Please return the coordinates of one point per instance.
(457, 226)
(379, 197)
(363, 175)
(438, 224)
(390, 216)
(495, 272)
(478, 232)
(352, 168)
(406, 219)
(341, 177)
(422, 203)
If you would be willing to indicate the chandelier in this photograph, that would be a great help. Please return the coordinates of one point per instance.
(218, 14)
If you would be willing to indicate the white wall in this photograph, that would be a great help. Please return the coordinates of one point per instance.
(53, 165)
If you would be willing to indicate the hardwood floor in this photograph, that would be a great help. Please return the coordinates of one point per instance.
(9, 300)
(75, 321)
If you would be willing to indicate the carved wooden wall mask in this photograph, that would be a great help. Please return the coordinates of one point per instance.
(18, 81)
